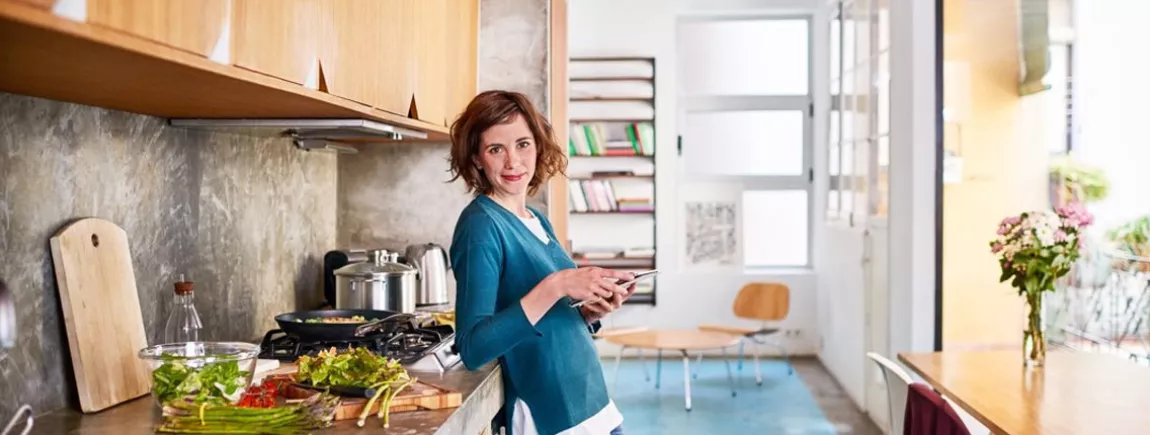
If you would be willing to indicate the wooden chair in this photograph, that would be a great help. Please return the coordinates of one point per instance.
(768, 303)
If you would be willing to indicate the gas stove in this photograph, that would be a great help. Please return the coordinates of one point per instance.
(419, 349)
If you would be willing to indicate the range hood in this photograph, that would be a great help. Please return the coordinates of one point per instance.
(307, 134)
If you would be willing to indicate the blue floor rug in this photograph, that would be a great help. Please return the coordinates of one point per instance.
(782, 405)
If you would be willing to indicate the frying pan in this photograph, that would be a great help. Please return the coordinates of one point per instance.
(295, 323)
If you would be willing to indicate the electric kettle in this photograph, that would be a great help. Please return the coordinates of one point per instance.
(430, 260)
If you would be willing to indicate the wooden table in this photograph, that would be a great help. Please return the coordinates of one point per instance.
(1074, 393)
(680, 340)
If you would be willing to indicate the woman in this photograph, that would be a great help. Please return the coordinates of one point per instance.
(514, 282)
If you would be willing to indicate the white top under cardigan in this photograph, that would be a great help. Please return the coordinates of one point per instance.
(602, 423)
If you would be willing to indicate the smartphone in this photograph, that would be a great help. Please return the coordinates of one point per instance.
(638, 277)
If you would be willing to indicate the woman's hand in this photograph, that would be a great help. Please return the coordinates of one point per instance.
(597, 310)
(587, 283)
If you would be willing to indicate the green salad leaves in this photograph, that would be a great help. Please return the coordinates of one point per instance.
(357, 367)
(213, 383)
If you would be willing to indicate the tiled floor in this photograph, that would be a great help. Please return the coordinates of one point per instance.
(808, 402)
(833, 401)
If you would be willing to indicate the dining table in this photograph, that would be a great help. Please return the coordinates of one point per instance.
(1072, 393)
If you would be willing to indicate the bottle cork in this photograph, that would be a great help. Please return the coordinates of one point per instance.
(183, 287)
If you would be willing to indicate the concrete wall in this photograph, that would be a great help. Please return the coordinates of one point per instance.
(686, 297)
(247, 219)
(392, 195)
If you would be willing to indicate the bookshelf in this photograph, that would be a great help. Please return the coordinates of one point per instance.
(611, 191)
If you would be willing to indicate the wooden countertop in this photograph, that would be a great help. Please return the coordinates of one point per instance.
(482, 398)
(1074, 393)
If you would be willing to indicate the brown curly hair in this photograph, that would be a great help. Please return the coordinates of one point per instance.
(499, 107)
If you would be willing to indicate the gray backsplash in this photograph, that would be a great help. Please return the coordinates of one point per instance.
(247, 219)
(392, 195)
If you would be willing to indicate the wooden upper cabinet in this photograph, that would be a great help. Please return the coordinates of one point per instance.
(279, 38)
(397, 71)
(193, 25)
(350, 31)
(41, 4)
(463, 57)
(431, 52)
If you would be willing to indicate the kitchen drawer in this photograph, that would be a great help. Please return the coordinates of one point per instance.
(196, 26)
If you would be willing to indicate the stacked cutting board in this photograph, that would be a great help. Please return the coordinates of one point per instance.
(419, 396)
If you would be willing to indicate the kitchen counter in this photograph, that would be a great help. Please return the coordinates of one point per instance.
(482, 392)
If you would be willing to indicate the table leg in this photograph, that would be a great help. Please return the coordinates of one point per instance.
(758, 374)
(658, 367)
(643, 361)
(687, 379)
(698, 362)
(741, 343)
(730, 378)
(618, 358)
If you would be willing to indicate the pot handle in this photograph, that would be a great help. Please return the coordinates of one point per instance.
(16, 419)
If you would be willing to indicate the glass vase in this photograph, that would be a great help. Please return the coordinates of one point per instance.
(1034, 334)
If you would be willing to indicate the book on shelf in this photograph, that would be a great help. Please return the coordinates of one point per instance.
(635, 205)
(599, 196)
(639, 252)
(612, 139)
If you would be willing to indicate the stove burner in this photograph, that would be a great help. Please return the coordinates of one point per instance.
(408, 345)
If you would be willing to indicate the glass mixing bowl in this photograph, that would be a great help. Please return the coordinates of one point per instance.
(206, 370)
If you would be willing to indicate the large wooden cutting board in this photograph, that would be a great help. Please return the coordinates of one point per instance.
(101, 312)
(418, 396)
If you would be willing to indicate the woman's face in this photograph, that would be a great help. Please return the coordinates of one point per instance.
(507, 156)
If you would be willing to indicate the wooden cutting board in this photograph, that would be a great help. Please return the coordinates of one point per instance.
(101, 312)
(417, 397)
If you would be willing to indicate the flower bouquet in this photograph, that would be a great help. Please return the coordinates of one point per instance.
(1034, 249)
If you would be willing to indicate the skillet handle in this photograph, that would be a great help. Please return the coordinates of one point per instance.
(377, 324)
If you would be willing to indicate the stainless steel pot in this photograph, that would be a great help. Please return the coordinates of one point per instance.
(432, 263)
(381, 284)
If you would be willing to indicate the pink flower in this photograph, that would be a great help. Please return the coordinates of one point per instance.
(1011, 221)
(1059, 236)
(996, 248)
(1075, 215)
(1003, 229)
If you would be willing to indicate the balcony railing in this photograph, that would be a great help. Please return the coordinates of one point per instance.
(1103, 306)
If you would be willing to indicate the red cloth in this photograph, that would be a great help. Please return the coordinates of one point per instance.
(927, 413)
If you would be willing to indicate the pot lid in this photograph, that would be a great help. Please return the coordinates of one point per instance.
(372, 270)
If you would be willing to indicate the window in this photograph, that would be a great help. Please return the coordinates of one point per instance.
(746, 123)
(858, 137)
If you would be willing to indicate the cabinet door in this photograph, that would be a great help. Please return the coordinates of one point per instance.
(194, 25)
(279, 38)
(347, 57)
(397, 72)
(431, 61)
(462, 61)
(39, 4)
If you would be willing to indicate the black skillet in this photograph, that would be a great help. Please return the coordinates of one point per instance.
(296, 324)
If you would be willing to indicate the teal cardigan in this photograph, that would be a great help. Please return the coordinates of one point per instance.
(553, 366)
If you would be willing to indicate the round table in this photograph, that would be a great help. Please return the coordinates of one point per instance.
(680, 340)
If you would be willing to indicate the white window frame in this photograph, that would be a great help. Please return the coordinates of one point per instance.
(802, 103)
(867, 63)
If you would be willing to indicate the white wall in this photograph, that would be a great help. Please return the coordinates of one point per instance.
(1110, 102)
(686, 298)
